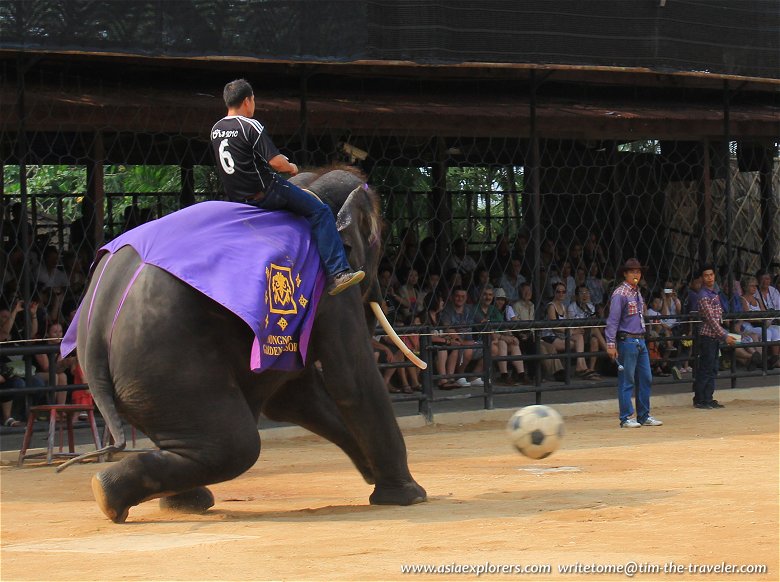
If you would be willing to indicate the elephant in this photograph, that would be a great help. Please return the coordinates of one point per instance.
(183, 379)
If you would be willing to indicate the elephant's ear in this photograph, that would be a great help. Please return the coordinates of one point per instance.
(350, 206)
(358, 208)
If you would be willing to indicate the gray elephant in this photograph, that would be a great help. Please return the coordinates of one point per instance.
(174, 363)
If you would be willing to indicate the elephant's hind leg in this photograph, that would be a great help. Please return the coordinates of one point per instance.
(196, 500)
(213, 442)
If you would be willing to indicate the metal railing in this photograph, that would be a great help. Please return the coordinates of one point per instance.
(428, 398)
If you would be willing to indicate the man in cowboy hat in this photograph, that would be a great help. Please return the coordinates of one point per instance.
(625, 334)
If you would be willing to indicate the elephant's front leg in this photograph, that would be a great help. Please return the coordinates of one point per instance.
(355, 384)
(304, 401)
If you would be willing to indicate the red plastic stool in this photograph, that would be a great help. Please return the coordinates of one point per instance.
(68, 411)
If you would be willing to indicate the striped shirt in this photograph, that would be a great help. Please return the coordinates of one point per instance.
(711, 312)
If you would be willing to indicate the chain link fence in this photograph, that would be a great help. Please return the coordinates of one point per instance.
(518, 213)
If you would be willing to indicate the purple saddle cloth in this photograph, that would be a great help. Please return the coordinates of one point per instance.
(261, 265)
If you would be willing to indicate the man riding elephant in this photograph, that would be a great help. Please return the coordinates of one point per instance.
(248, 162)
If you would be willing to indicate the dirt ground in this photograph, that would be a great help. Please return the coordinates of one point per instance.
(702, 490)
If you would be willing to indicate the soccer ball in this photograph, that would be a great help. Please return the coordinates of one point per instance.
(536, 431)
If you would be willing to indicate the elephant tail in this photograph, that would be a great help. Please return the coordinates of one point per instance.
(114, 424)
(101, 386)
(102, 390)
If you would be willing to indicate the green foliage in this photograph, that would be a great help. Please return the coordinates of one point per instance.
(484, 200)
(125, 185)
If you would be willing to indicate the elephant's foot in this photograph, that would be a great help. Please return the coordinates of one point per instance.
(196, 500)
(109, 505)
(407, 494)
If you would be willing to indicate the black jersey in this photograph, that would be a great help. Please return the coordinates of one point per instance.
(242, 149)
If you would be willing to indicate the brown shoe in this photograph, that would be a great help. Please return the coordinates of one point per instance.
(344, 280)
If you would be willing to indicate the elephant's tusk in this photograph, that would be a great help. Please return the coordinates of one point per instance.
(394, 336)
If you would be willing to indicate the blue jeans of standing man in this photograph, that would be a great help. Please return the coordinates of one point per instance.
(706, 369)
(635, 376)
(282, 195)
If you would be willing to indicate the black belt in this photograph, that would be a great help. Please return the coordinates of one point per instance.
(624, 335)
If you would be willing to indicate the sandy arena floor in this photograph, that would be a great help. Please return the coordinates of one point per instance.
(702, 490)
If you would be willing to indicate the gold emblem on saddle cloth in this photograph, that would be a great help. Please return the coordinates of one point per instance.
(281, 290)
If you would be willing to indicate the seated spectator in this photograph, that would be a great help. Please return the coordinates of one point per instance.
(9, 380)
(583, 308)
(744, 354)
(691, 304)
(525, 310)
(432, 282)
(502, 343)
(520, 253)
(549, 254)
(580, 277)
(557, 338)
(427, 260)
(389, 293)
(575, 256)
(76, 273)
(730, 299)
(453, 279)
(384, 354)
(524, 307)
(409, 296)
(480, 283)
(49, 306)
(500, 259)
(42, 363)
(12, 321)
(592, 251)
(671, 306)
(659, 347)
(457, 312)
(567, 279)
(10, 377)
(407, 251)
(49, 274)
(751, 302)
(410, 376)
(595, 284)
(459, 260)
(446, 361)
(768, 297)
(511, 280)
(500, 301)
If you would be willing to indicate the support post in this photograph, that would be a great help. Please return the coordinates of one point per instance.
(96, 188)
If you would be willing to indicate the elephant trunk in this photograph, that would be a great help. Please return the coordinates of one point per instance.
(379, 314)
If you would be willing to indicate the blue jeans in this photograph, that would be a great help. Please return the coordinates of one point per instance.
(282, 195)
(632, 353)
(706, 369)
